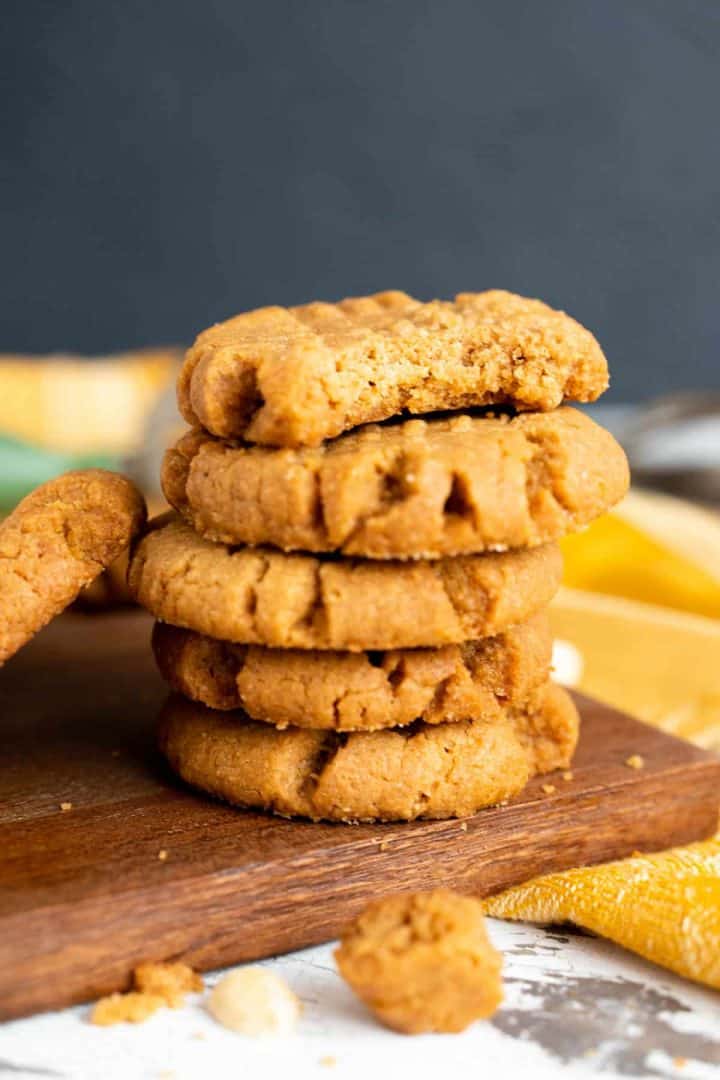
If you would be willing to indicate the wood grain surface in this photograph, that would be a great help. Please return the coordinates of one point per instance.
(84, 895)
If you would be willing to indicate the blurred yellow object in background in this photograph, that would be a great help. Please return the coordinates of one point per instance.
(663, 666)
(652, 548)
(665, 907)
(82, 406)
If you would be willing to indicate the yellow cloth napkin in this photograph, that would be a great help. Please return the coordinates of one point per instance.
(665, 907)
(653, 548)
(663, 665)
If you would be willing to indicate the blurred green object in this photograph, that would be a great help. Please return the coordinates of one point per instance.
(23, 467)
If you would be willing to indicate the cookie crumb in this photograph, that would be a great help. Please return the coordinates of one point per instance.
(66, 806)
(254, 1001)
(569, 775)
(635, 761)
(423, 962)
(162, 854)
(171, 982)
(154, 986)
(131, 1008)
(463, 826)
(328, 1060)
(680, 1062)
(549, 788)
(198, 1035)
(385, 844)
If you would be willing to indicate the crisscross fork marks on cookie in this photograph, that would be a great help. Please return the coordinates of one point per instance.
(293, 377)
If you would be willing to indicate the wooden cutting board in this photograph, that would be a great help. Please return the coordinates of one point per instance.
(85, 895)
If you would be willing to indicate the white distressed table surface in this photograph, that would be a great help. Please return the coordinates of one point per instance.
(575, 1006)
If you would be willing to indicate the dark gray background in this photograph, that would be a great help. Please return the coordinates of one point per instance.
(166, 164)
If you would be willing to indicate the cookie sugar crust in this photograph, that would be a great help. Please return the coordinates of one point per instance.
(418, 489)
(259, 596)
(441, 771)
(296, 376)
(56, 541)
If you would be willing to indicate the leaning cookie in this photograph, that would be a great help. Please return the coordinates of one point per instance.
(259, 596)
(418, 489)
(441, 771)
(296, 376)
(56, 541)
(342, 691)
(109, 591)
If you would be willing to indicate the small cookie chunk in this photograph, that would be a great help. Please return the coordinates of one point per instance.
(418, 489)
(170, 981)
(154, 986)
(344, 691)
(423, 962)
(56, 541)
(259, 596)
(134, 1007)
(296, 376)
(424, 771)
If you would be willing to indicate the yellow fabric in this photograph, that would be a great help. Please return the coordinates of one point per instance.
(652, 548)
(663, 665)
(660, 665)
(75, 405)
(665, 907)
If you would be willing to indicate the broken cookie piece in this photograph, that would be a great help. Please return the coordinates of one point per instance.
(131, 1008)
(171, 982)
(154, 986)
(423, 962)
(296, 376)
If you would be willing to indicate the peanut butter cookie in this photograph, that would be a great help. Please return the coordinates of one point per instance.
(56, 541)
(423, 962)
(418, 489)
(259, 596)
(342, 691)
(296, 376)
(423, 771)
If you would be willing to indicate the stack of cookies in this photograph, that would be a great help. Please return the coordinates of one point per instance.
(351, 599)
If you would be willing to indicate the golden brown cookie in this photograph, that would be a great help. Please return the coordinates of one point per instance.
(55, 542)
(423, 771)
(342, 691)
(259, 596)
(296, 376)
(110, 590)
(418, 489)
(422, 961)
